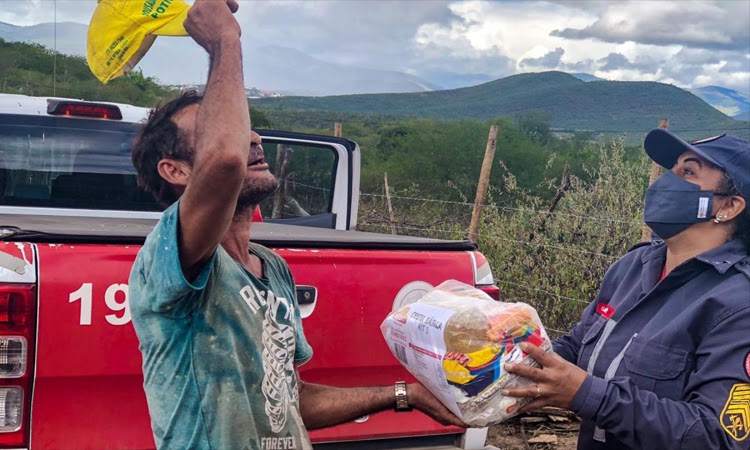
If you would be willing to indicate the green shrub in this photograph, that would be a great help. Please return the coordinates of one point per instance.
(554, 261)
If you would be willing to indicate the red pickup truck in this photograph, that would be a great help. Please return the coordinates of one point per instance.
(71, 222)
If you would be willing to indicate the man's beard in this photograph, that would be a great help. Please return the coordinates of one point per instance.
(254, 191)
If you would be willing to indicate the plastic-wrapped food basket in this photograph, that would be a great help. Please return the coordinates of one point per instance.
(456, 340)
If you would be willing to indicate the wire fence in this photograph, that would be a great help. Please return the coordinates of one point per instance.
(408, 219)
(621, 220)
(481, 235)
(551, 255)
(561, 297)
(506, 208)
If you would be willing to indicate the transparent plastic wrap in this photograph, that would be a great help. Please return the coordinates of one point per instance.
(456, 340)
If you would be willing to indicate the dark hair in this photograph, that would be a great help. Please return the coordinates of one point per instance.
(161, 138)
(742, 229)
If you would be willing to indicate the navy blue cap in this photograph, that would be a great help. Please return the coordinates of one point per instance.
(729, 153)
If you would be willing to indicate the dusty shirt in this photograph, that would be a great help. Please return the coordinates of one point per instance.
(218, 352)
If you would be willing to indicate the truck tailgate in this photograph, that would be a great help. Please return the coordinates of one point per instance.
(88, 391)
(89, 387)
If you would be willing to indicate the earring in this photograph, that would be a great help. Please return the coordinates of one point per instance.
(719, 219)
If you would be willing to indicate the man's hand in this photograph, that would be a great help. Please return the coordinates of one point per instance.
(423, 400)
(556, 383)
(210, 21)
(325, 406)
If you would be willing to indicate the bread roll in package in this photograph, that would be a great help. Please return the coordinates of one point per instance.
(456, 340)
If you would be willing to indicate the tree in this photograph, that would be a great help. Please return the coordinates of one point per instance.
(581, 138)
(259, 119)
(536, 126)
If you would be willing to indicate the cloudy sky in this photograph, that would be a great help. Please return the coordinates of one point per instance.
(686, 43)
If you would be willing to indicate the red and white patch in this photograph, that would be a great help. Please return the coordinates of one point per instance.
(605, 310)
(747, 365)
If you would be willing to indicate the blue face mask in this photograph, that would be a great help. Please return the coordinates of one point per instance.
(673, 205)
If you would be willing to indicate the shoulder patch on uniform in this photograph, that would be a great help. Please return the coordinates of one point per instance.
(735, 417)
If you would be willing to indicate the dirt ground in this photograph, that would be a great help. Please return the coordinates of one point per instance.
(515, 433)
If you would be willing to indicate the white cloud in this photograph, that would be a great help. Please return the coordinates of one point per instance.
(626, 75)
(513, 30)
(458, 42)
(703, 24)
(711, 76)
(581, 36)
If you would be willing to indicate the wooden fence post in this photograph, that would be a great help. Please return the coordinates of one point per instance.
(283, 158)
(484, 181)
(391, 217)
(337, 129)
(655, 173)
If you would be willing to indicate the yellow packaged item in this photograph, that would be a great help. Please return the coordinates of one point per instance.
(122, 31)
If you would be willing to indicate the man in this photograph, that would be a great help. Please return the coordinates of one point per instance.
(216, 317)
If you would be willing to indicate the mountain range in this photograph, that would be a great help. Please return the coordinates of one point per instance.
(567, 102)
(732, 103)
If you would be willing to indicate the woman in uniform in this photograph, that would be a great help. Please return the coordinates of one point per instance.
(661, 358)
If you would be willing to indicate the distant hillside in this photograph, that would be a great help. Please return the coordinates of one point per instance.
(28, 69)
(728, 101)
(570, 103)
(742, 116)
(279, 69)
(289, 70)
(71, 36)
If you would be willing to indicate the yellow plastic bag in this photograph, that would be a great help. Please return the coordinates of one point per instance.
(122, 31)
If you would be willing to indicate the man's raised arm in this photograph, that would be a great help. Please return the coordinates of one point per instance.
(222, 136)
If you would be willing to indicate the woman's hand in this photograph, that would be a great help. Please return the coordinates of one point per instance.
(556, 383)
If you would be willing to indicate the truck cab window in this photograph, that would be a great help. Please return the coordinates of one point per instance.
(306, 176)
(57, 163)
(54, 162)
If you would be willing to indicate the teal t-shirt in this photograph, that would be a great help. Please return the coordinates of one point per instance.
(218, 352)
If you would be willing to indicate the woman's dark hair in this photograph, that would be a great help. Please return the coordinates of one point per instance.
(158, 139)
(742, 230)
